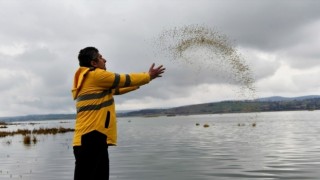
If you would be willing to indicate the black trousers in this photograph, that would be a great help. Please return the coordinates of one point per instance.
(92, 158)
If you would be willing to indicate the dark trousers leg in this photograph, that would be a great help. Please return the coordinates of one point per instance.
(91, 164)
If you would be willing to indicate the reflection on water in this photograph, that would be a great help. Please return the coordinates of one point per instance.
(282, 145)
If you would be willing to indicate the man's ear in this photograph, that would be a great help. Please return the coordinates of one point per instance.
(93, 64)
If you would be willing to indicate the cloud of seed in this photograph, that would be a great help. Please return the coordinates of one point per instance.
(204, 48)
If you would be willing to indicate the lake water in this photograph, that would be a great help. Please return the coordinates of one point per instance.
(282, 145)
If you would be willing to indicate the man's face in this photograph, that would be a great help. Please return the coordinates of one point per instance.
(100, 62)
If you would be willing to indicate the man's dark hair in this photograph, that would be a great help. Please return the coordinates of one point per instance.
(86, 55)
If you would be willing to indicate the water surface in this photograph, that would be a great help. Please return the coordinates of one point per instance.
(282, 145)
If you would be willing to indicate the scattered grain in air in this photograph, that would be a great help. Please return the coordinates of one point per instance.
(202, 47)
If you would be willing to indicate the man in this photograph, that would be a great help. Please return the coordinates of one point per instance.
(96, 128)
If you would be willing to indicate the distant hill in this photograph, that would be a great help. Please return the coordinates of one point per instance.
(275, 103)
(280, 98)
(259, 105)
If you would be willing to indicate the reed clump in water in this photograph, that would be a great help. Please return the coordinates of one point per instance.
(27, 139)
(34, 140)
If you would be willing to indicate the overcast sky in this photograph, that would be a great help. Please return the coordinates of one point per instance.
(40, 41)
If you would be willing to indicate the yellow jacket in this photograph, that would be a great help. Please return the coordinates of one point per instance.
(93, 90)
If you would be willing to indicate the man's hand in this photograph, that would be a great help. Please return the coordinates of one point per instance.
(156, 72)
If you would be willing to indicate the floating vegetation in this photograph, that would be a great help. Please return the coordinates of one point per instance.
(25, 132)
(22, 132)
(51, 130)
(3, 124)
(8, 142)
(254, 124)
(206, 125)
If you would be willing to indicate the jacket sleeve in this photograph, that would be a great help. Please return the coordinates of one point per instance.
(110, 80)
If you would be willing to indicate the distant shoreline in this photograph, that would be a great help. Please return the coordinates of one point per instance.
(272, 104)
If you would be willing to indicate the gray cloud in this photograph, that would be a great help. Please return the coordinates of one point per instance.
(40, 41)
